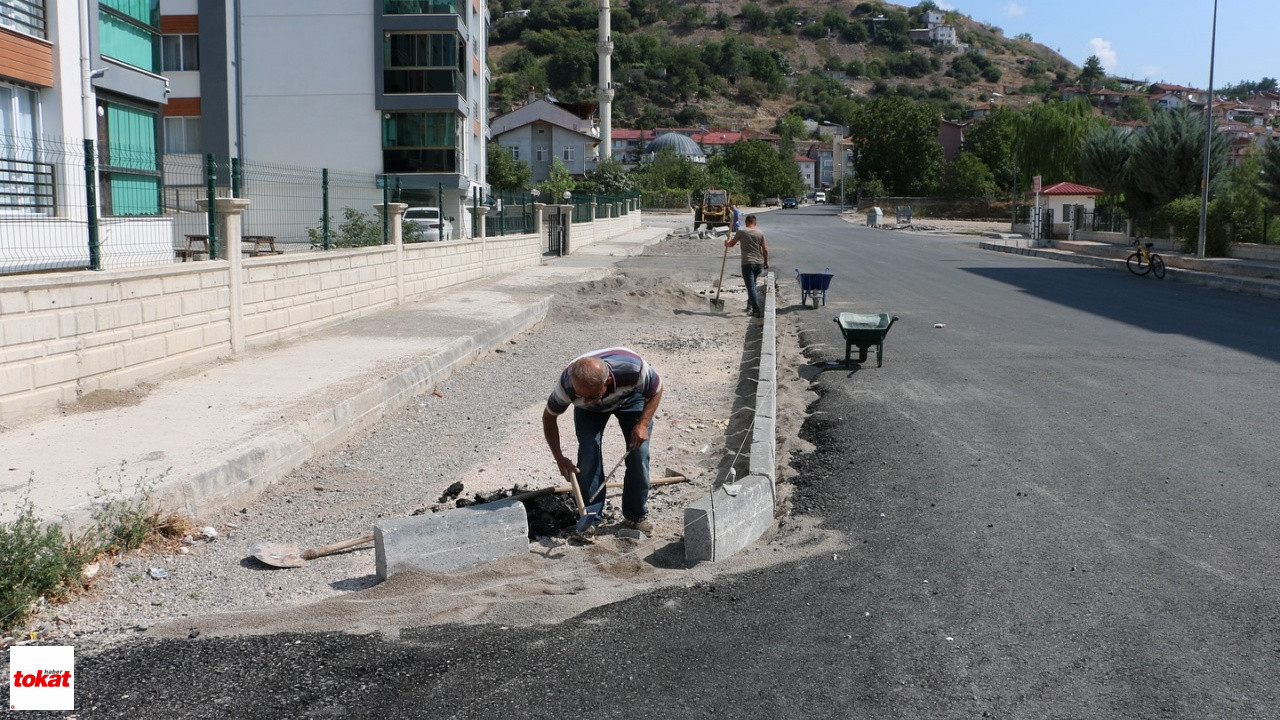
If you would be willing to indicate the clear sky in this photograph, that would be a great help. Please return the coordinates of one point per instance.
(1155, 40)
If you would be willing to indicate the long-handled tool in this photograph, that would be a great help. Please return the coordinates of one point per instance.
(717, 305)
(585, 519)
(286, 555)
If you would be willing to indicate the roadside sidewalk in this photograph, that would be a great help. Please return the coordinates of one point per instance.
(1253, 277)
(215, 437)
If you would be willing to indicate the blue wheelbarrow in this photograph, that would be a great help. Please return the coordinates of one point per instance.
(812, 285)
(864, 331)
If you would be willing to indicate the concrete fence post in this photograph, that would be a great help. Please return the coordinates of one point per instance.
(395, 216)
(228, 212)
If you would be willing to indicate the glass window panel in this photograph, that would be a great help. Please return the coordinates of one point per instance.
(127, 42)
(134, 194)
(132, 138)
(171, 50)
(190, 52)
(144, 11)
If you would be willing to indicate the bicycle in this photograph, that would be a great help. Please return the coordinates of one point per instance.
(1143, 261)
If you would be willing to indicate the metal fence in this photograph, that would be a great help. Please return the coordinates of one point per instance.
(51, 190)
(510, 213)
(1101, 219)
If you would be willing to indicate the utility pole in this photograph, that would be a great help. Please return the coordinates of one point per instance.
(1208, 141)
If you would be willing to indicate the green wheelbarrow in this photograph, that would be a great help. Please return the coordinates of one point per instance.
(864, 331)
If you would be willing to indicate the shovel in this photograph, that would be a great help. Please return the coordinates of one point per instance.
(717, 305)
(286, 555)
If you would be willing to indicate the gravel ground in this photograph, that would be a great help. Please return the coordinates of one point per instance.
(481, 427)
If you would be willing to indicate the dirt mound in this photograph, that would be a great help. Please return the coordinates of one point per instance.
(621, 296)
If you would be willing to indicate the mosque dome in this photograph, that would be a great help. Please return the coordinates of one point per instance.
(681, 145)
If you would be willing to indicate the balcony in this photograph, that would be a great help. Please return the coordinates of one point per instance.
(24, 16)
(420, 7)
(408, 81)
(421, 160)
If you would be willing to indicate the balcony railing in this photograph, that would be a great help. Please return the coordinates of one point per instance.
(25, 16)
(420, 7)
(421, 160)
(397, 82)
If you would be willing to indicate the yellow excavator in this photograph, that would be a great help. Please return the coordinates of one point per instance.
(715, 210)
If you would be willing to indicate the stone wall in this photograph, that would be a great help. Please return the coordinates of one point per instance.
(66, 334)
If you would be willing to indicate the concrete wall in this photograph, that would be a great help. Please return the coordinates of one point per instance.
(66, 334)
(1253, 251)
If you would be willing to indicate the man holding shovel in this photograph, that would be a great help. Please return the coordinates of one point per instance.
(755, 260)
(603, 383)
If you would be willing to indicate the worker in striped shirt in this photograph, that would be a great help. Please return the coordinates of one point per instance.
(614, 382)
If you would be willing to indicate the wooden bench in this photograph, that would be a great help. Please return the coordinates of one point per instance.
(256, 245)
(197, 245)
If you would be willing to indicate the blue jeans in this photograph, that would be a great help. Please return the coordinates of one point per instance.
(750, 272)
(589, 427)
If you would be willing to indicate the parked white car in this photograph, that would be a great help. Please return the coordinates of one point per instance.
(427, 221)
(820, 198)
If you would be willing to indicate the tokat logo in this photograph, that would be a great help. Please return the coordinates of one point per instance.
(42, 678)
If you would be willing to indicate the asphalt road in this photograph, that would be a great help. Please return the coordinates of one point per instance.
(1062, 504)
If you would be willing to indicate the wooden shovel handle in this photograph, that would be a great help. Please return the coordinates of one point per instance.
(577, 494)
(323, 550)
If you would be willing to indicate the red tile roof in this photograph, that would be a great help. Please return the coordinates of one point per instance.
(1067, 188)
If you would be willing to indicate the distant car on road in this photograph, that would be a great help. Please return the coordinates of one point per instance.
(788, 202)
(772, 202)
(820, 197)
(426, 221)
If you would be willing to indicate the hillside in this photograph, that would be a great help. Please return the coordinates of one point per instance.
(695, 62)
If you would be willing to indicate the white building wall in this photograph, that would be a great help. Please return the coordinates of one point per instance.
(309, 85)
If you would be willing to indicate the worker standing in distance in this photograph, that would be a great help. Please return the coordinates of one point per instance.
(755, 260)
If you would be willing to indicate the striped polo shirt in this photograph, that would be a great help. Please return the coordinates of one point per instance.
(628, 372)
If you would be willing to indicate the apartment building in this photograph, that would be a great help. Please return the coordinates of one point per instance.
(71, 71)
(397, 88)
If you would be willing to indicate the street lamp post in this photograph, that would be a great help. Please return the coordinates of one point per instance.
(1208, 139)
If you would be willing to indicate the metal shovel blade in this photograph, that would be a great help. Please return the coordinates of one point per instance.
(281, 555)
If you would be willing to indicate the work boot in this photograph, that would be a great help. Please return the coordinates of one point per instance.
(641, 525)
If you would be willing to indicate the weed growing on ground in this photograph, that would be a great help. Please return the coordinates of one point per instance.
(40, 560)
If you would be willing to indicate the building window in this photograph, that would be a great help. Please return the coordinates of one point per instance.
(182, 134)
(515, 152)
(181, 52)
(129, 31)
(130, 163)
(419, 7)
(540, 153)
(421, 142)
(423, 63)
(26, 184)
(567, 155)
(25, 16)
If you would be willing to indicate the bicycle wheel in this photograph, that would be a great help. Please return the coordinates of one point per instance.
(1136, 265)
(1157, 266)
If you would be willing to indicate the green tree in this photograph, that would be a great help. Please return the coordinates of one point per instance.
(1134, 108)
(668, 171)
(557, 181)
(764, 171)
(572, 62)
(503, 171)
(991, 139)
(895, 141)
(1168, 159)
(758, 19)
(1104, 158)
(968, 177)
(1270, 183)
(1049, 138)
(611, 177)
(1092, 74)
